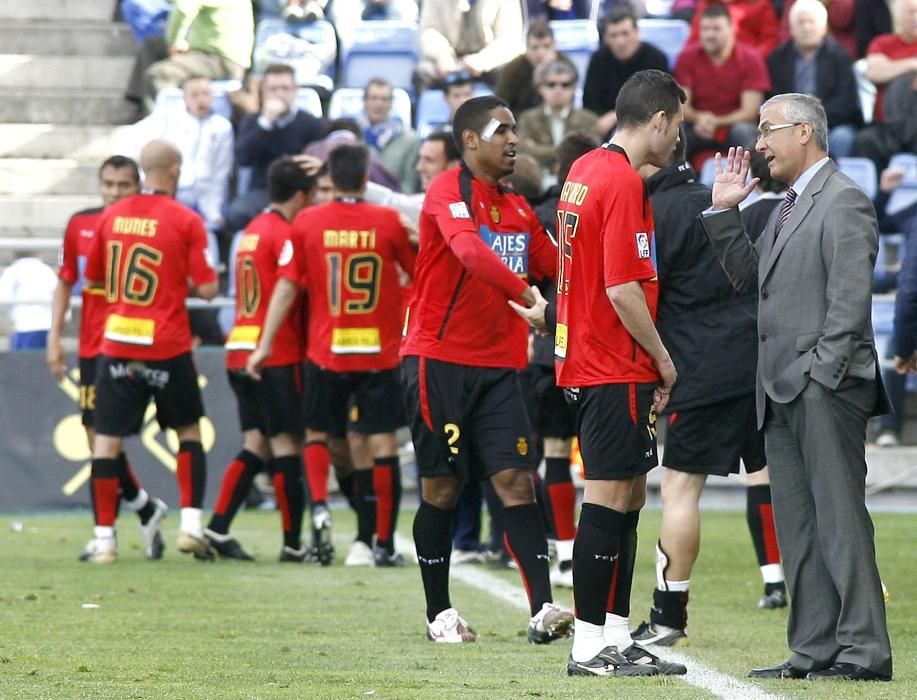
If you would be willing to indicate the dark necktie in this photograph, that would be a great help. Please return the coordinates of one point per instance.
(785, 210)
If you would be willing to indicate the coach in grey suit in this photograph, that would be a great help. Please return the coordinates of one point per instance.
(817, 384)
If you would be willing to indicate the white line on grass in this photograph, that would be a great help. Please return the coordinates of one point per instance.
(699, 675)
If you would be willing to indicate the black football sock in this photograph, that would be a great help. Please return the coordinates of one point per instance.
(595, 550)
(526, 543)
(133, 492)
(366, 505)
(619, 598)
(432, 533)
(387, 485)
(670, 608)
(346, 485)
(237, 480)
(290, 491)
(760, 514)
(192, 474)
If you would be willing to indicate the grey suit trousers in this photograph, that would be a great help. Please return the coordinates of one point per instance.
(816, 453)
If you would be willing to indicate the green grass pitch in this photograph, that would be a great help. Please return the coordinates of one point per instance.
(183, 629)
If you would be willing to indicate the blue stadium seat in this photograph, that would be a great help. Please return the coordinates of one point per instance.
(348, 102)
(380, 49)
(863, 172)
(667, 35)
(883, 321)
(308, 100)
(578, 39)
(433, 112)
(905, 194)
(173, 98)
(319, 61)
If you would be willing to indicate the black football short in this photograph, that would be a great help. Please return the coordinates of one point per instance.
(355, 417)
(712, 439)
(552, 416)
(330, 398)
(124, 388)
(469, 421)
(272, 405)
(616, 424)
(88, 389)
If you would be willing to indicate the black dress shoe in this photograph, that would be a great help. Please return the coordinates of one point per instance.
(847, 672)
(784, 670)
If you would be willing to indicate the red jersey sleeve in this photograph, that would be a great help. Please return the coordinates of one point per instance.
(626, 242)
(291, 263)
(543, 258)
(199, 268)
(68, 270)
(95, 261)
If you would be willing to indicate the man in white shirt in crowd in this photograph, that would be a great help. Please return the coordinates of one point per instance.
(27, 286)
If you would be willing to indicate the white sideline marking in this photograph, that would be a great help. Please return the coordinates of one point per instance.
(699, 675)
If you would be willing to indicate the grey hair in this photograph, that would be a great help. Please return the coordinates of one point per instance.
(813, 6)
(798, 107)
(558, 68)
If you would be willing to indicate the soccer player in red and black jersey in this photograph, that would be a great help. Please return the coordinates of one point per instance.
(270, 411)
(148, 248)
(478, 245)
(614, 366)
(347, 255)
(119, 177)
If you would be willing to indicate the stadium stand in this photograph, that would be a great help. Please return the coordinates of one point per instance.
(348, 102)
(667, 35)
(862, 171)
(905, 195)
(310, 48)
(577, 39)
(381, 48)
(308, 100)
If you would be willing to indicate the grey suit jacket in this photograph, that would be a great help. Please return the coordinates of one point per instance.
(814, 288)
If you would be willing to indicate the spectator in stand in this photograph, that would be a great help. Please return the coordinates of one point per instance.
(395, 144)
(725, 80)
(279, 129)
(213, 39)
(516, 84)
(205, 141)
(871, 19)
(347, 131)
(890, 56)
(459, 89)
(558, 9)
(347, 14)
(27, 287)
(814, 63)
(755, 23)
(840, 23)
(542, 128)
(477, 37)
(898, 131)
(620, 55)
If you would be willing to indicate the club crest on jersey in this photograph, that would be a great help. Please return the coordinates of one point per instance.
(494, 214)
(459, 210)
(512, 248)
(643, 245)
(522, 446)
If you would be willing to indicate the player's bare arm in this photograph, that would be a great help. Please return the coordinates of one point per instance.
(206, 291)
(282, 299)
(60, 304)
(629, 302)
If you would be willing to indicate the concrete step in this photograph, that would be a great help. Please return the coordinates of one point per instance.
(62, 105)
(46, 238)
(27, 70)
(85, 143)
(67, 38)
(98, 10)
(47, 176)
(38, 213)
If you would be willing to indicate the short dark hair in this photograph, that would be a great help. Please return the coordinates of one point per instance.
(345, 124)
(618, 13)
(280, 69)
(448, 141)
(474, 114)
(573, 145)
(377, 82)
(539, 29)
(716, 10)
(348, 165)
(285, 178)
(119, 162)
(645, 93)
(457, 79)
(760, 170)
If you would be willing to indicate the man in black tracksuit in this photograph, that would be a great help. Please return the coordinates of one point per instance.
(710, 330)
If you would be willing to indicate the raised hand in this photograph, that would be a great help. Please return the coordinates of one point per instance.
(729, 187)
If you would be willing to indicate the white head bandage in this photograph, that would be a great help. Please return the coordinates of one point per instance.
(488, 132)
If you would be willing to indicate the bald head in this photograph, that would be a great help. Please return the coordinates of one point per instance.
(159, 155)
